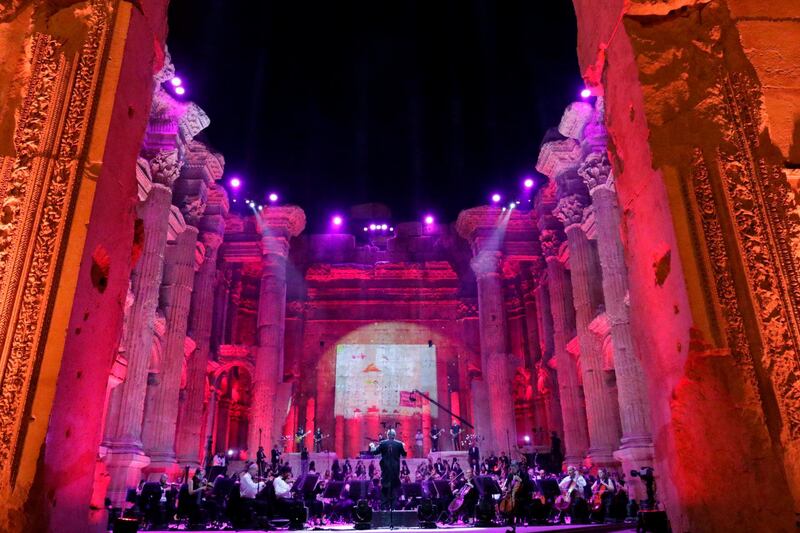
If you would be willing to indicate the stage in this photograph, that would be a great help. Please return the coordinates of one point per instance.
(584, 528)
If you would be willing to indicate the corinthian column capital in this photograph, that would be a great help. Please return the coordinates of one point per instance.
(486, 263)
(551, 241)
(596, 172)
(570, 209)
(165, 167)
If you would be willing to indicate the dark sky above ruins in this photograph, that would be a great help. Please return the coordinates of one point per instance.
(427, 106)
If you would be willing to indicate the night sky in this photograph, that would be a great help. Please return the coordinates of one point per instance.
(423, 105)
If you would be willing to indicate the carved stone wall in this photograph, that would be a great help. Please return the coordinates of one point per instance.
(70, 133)
(697, 98)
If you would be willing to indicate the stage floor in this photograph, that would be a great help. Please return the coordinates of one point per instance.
(586, 528)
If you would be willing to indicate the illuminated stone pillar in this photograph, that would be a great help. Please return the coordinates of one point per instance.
(161, 413)
(126, 452)
(636, 444)
(545, 367)
(573, 413)
(494, 343)
(601, 404)
(277, 226)
(189, 440)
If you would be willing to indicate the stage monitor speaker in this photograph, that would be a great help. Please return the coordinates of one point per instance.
(402, 519)
(653, 521)
(126, 525)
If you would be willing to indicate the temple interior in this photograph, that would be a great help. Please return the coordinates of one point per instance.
(634, 309)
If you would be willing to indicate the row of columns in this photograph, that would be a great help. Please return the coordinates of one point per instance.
(583, 200)
(176, 178)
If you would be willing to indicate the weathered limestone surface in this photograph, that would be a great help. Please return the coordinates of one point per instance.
(701, 109)
(80, 78)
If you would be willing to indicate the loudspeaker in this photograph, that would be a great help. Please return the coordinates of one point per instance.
(126, 525)
(402, 519)
(654, 521)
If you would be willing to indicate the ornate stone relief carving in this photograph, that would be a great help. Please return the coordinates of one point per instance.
(57, 107)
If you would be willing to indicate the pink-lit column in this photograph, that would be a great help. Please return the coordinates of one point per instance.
(637, 445)
(161, 413)
(545, 367)
(277, 226)
(189, 442)
(573, 413)
(494, 343)
(126, 453)
(601, 403)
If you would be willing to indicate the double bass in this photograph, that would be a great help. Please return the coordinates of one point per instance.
(509, 501)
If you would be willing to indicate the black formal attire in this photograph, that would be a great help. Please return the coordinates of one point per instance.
(276, 458)
(435, 440)
(474, 455)
(555, 454)
(390, 451)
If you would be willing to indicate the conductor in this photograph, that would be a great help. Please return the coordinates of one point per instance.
(391, 451)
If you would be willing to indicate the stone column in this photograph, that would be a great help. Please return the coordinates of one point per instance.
(601, 405)
(161, 415)
(637, 444)
(189, 442)
(127, 457)
(545, 374)
(277, 225)
(538, 404)
(494, 345)
(573, 413)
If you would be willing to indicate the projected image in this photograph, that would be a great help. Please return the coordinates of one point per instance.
(382, 376)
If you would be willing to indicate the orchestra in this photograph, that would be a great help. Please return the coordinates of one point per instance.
(525, 493)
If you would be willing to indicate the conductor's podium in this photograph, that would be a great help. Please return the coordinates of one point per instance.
(398, 519)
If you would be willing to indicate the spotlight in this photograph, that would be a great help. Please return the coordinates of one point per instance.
(504, 209)
(337, 220)
(366, 228)
(527, 438)
(512, 205)
(273, 197)
(372, 227)
(180, 91)
(496, 198)
(528, 183)
(230, 452)
(429, 219)
(236, 183)
(176, 81)
(391, 229)
(362, 515)
(261, 208)
(384, 227)
(586, 93)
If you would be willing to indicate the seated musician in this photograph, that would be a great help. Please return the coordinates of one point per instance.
(168, 495)
(467, 496)
(283, 494)
(572, 488)
(248, 486)
(603, 492)
(197, 488)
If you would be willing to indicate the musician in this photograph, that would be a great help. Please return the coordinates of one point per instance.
(455, 432)
(283, 494)
(219, 459)
(371, 470)
(455, 466)
(573, 482)
(318, 440)
(248, 486)
(347, 470)
(336, 471)
(463, 505)
(474, 455)
(299, 438)
(304, 461)
(419, 440)
(275, 457)
(196, 487)
(360, 469)
(435, 438)
(405, 472)
(603, 491)
(439, 468)
(391, 451)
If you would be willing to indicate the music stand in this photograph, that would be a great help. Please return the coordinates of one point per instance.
(442, 489)
(411, 492)
(549, 488)
(359, 490)
(333, 490)
(487, 486)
